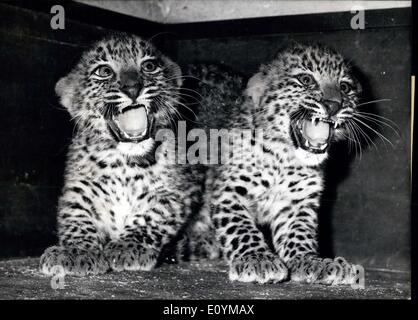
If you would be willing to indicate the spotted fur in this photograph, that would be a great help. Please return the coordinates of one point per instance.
(278, 182)
(122, 201)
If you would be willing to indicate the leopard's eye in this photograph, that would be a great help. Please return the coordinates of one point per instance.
(103, 72)
(306, 79)
(149, 66)
(345, 87)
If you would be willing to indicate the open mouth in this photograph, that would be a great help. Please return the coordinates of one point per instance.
(314, 134)
(131, 124)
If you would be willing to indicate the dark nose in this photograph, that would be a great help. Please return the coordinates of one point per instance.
(130, 83)
(331, 98)
(332, 106)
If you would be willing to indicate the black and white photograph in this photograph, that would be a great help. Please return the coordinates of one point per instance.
(206, 150)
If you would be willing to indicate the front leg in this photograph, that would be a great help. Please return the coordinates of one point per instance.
(295, 240)
(243, 244)
(145, 234)
(79, 251)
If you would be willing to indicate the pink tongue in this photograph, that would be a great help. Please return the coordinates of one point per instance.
(134, 121)
(317, 133)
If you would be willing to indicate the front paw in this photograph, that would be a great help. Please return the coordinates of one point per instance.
(258, 267)
(327, 271)
(131, 256)
(72, 261)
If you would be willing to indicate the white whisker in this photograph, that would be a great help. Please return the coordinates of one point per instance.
(376, 132)
(373, 101)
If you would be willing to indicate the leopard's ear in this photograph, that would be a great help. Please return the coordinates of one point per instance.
(256, 87)
(174, 71)
(64, 89)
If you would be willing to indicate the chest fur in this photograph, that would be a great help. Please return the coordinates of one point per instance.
(119, 189)
(288, 185)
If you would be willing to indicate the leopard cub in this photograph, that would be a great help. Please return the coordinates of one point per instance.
(302, 102)
(124, 199)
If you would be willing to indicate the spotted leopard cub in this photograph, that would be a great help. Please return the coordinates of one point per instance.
(123, 198)
(296, 106)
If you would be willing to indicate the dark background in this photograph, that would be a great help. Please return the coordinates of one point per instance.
(366, 212)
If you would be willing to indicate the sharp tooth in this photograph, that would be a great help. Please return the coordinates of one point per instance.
(324, 146)
(306, 143)
(335, 125)
(313, 120)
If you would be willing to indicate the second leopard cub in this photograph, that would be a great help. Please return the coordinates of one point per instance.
(300, 104)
